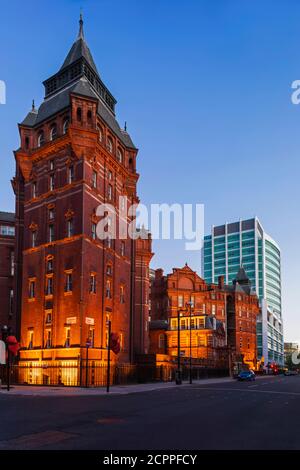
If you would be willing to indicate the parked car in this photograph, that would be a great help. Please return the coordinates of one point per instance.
(290, 372)
(246, 375)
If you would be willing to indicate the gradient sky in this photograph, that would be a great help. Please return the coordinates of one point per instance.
(205, 87)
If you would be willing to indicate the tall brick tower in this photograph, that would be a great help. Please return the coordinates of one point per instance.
(73, 157)
(143, 256)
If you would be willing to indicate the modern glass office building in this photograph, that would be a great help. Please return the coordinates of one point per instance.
(246, 243)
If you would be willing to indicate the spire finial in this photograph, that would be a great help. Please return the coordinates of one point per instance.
(125, 126)
(80, 34)
(33, 105)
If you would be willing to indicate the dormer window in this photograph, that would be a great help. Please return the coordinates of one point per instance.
(53, 132)
(41, 139)
(110, 145)
(66, 126)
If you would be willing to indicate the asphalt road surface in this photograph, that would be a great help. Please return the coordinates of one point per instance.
(253, 415)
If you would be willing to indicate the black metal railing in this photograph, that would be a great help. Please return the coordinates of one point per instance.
(78, 374)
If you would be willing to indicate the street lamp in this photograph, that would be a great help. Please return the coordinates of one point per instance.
(108, 324)
(190, 305)
(178, 372)
(88, 345)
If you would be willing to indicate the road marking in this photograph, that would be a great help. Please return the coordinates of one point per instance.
(249, 391)
(252, 386)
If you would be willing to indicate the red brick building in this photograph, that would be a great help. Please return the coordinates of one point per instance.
(215, 309)
(73, 157)
(143, 254)
(242, 309)
(7, 268)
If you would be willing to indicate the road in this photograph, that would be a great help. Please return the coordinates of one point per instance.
(254, 415)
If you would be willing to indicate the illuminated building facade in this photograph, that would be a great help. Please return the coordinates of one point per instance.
(7, 269)
(221, 315)
(73, 157)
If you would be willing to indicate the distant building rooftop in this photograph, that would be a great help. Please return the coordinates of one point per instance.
(7, 217)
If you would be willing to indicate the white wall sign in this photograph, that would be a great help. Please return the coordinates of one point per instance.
(71, 320)
(2, 352)
(90, 321)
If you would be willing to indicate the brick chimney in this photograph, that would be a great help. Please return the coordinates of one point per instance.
(159, 273)
(221, 282)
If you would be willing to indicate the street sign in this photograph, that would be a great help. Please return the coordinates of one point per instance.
(2, 352)
(88, 344)
(90, 321)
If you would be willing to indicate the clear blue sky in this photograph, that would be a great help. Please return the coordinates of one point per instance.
(205, 88)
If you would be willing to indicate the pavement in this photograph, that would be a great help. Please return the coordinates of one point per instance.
(44, 391)
(210, 414)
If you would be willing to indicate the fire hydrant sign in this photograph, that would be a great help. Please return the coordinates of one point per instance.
(2, 352)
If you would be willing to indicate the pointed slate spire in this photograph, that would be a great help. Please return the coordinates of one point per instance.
(80, 50)
(81, 33)
(241, 277)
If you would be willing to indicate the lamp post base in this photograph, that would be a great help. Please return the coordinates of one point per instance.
(178, 380)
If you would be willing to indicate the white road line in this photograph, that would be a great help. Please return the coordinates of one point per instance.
(250, 391)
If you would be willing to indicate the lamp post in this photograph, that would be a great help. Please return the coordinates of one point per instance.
(108, 323)
(178, 372)
(88, 345)
(190, 305)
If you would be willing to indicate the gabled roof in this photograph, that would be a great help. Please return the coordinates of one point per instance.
(241, 276)
(242, 282)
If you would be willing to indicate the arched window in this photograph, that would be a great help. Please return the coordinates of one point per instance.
(66, 126)
(110, 145)
(130, 163)
(53, 132)
(41, 139)
(100, 133)
(79, 114)
(119, 155)
(89, 116)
